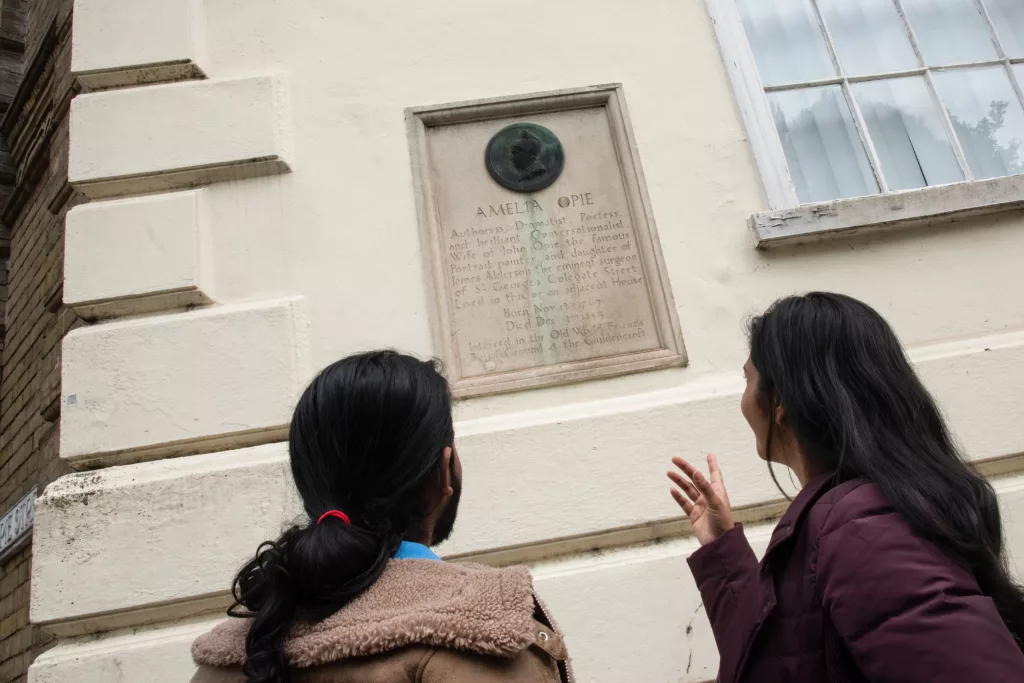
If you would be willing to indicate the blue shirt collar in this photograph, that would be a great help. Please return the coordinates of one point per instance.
(414, 551)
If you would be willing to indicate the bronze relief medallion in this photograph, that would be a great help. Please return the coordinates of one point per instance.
(524, 157)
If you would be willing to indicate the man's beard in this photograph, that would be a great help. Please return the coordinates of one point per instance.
(446, 522)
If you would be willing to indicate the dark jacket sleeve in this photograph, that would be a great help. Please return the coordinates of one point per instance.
(906, 613)
(726, 571)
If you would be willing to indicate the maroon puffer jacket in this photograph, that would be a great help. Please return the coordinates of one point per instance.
(848, 592)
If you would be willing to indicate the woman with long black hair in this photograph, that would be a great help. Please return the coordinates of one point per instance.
(889, 564)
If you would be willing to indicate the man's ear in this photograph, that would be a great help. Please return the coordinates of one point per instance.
(446, 473)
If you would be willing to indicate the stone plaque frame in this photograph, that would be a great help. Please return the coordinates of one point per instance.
(419, 120)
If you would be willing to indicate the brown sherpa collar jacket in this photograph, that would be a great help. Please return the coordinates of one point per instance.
(423, 621)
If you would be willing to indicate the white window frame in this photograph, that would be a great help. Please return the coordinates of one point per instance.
(788, 221)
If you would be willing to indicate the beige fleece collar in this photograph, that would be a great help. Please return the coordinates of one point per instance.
(415, 602)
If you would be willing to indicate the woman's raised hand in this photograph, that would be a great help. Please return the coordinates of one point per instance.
(705, 502)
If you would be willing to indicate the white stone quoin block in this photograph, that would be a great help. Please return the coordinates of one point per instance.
(137, 255)
(181, 383)
(178, 135)
(171, 502)
(118, 43)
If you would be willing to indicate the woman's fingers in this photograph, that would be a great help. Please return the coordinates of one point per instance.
(699, 480)
(714, 470)
(686, 486)
(702, 498)
(688, 469)
(704, 487)
(681, 500)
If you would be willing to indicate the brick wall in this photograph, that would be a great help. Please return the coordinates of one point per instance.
(35, 196)
(13, 28)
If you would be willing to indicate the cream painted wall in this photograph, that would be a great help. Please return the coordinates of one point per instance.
(352, 77)
(339, 230)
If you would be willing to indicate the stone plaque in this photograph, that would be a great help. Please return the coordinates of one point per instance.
(540, 242)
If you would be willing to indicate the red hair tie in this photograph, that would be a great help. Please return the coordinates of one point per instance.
(335, 513)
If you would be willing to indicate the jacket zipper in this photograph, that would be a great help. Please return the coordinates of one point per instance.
(569, 676)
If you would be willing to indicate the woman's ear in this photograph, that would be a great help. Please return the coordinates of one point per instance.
(780, 414)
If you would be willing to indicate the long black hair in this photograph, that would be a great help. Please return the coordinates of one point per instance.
(858, 409)
(367, 438)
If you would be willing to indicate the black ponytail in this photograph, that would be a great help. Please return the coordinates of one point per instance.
(859, 410)
(366, 437)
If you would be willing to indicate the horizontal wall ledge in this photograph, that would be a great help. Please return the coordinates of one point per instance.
(647, 593)
(142, 74)
(178, 136)
(151, 387)
(142, 545)
(117, 44)
(911, 208)
(140, 255)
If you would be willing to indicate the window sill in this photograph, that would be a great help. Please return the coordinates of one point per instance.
(846, 217)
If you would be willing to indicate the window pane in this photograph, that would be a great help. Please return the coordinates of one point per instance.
(824, 152)
(950, 31)
(1008, 17)
(869, 36)
(786, 40)
(987, 117)
(1018, 69)
(906, 129)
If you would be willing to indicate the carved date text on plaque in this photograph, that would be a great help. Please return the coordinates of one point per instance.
(540, 242)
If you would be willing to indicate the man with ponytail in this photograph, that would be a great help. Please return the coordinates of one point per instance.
(355, 594)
